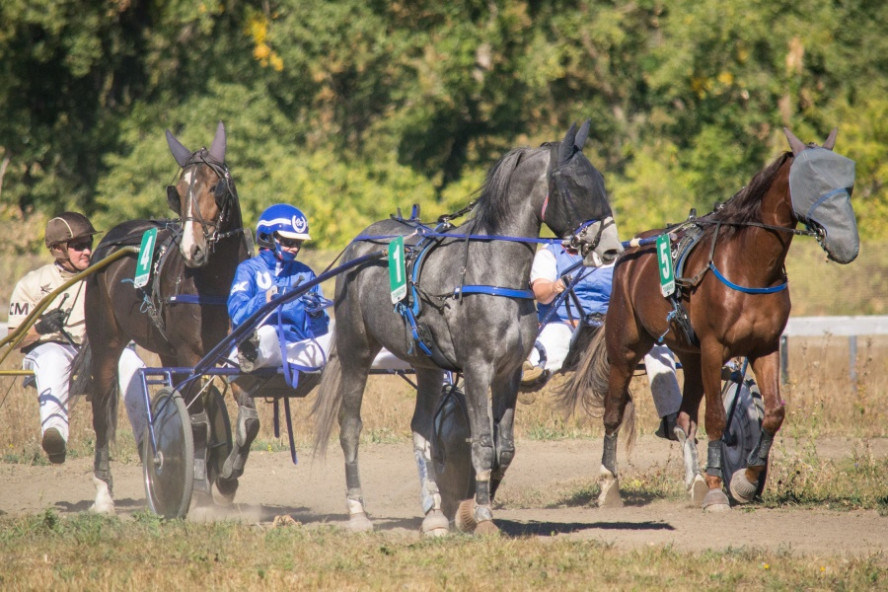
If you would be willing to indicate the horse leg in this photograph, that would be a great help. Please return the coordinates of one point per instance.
(245, 432)
(478, 517)
(104, 411)
(711, 361)
(745, 482)
(429, 382)
(352, 383)
(505, 394)
(614, 405)
(686, 429)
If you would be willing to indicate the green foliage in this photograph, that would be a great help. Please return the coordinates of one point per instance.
(353, 109)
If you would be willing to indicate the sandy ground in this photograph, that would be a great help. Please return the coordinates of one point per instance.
(312, 493)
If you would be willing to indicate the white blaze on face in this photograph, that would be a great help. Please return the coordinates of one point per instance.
(188, 242)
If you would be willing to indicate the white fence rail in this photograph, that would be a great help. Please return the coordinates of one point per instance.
(846, 326)
(838, 326)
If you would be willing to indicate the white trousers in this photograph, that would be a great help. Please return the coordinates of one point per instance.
(51, 363)
(659, 365)
(308, 353)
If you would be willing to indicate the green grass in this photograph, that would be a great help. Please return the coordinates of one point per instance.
(89, 552)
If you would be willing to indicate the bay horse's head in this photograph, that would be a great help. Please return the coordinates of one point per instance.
(577, 207)
(820, 186)
(204, 196)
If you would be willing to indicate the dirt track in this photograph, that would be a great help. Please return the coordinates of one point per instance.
(313, 493)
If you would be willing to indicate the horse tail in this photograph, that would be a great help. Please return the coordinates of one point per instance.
(82, 382)
(589, 384)
(327, 403)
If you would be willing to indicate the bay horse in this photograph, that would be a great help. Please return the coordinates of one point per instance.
(469, 310)
(180, 314)
(731, 299)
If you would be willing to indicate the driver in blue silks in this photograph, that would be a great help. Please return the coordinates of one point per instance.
(303, 322)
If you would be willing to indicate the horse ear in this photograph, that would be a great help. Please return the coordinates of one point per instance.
(580, 140)
(831, 140)
(794, 143)
(566, 150)
(217, 148)
(180, 152)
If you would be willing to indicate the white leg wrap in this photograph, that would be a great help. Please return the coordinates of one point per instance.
(429, 496)
(104, 504)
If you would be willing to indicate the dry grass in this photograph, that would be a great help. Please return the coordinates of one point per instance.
(88, 552)
(820, 396)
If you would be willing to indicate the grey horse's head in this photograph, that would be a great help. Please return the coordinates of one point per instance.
(820, 186)
(578, 197)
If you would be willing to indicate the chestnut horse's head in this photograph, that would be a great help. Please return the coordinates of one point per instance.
(203, 196)
(820, 185)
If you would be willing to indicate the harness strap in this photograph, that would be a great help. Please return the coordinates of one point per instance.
(483, 237)
(407, 313)
(491, 291)
(744, 289)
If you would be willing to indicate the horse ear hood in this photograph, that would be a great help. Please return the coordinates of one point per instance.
(567, 148)
(580, 140)
(219, 145)
(180, 152)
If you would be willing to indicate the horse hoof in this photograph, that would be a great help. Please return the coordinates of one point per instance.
(742, 489)
(435, 524)
(104, 503)
(359, 523)
(610, 491)
(225, 491)
(487, 528)
(464, 519)
(716, 501)
(698, 490)
(234, 466)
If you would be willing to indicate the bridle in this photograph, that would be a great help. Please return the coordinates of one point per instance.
(586, 235)
(225, 195)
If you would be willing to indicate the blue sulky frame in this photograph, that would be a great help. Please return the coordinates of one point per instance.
(170, 496)
(282, 385)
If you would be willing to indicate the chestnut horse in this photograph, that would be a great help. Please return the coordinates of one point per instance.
(731, 300)
(180, 314)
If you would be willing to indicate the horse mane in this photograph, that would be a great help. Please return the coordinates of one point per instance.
(492, 207)
(745, 205)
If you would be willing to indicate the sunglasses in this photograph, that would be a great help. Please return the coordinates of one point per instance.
(290, 243)
(81, 245)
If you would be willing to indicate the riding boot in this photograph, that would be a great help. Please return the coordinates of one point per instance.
(248, 352)
(667, 427)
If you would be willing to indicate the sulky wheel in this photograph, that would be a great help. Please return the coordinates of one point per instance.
(169, 474)
(744, 409)
(452, 452)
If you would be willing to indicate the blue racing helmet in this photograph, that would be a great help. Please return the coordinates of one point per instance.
(284, 220)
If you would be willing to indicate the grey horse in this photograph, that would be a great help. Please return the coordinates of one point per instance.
(468, 310)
